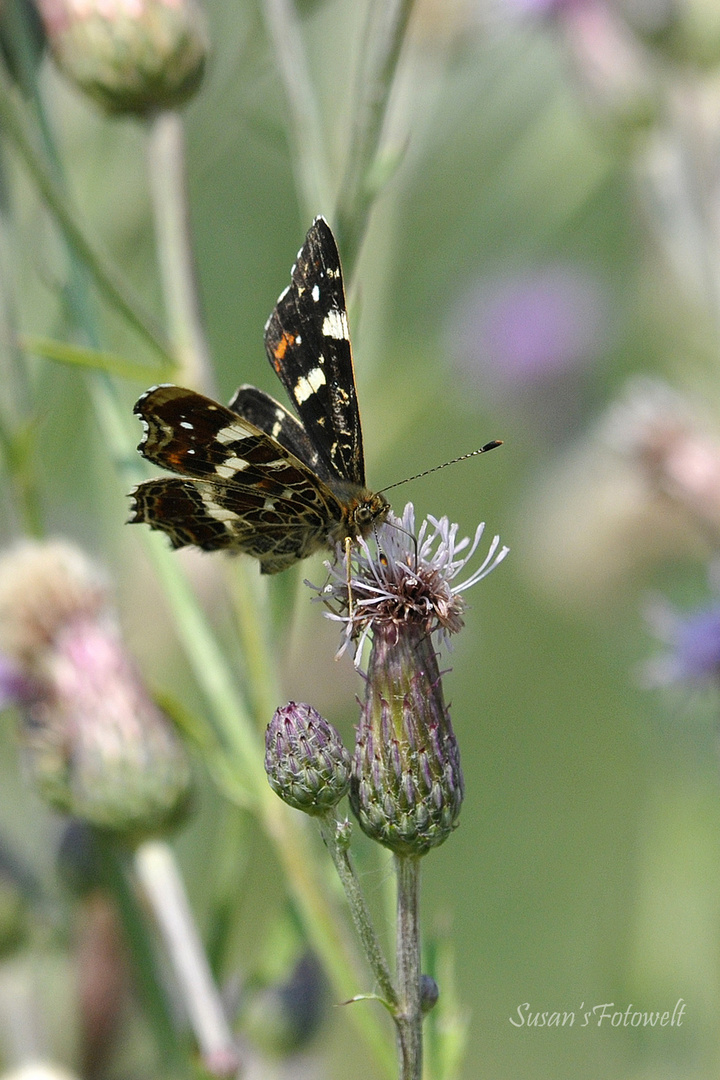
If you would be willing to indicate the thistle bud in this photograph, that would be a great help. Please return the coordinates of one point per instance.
(131, 56)
(306, 762)
(682, 31)
(407, 785)
(95, 743)
(283, 1018)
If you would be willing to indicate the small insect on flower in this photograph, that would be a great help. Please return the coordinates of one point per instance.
(251, 476)
(403, 581)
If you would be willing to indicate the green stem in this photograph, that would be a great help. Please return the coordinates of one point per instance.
(171, 213)
(326, 927)
(385, 34)
(164, 889)
(408, 1018)
(358, 908)
(305, 130)
(15, 125)
(118, 873)
(251, 601)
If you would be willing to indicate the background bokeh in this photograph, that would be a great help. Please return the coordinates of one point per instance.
(518, 269)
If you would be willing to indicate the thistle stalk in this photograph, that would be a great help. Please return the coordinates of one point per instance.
(408, 1017)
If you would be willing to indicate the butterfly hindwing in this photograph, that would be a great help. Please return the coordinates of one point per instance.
(217, 516)
(245, 490)
(270, 416)
(308, 345)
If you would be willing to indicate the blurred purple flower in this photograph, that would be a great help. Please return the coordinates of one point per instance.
(693, 644)
(531, 327)
(15, 687)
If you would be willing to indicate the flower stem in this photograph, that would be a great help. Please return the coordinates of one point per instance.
(358, 908)
(16, 126)
(304, 130)
(386, 29)
(164, 888)
(171, 214)
(408, 1018)
(118, 875)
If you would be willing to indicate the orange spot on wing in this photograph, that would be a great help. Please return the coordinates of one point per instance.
(282, 346)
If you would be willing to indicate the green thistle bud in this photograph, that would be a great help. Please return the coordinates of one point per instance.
(95, 743)
(407, 784)
(131, 56)
(306, 762)
(683, 31)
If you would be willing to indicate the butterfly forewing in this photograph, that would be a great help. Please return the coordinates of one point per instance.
(308, 345)
(251, 477)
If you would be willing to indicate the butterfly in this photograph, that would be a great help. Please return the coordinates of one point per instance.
(250, 476)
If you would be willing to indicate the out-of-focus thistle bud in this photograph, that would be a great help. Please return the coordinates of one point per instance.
(407, 784)
(685, 31)
(306, 762)
(284, 1017)
(640, 488)
(131, 56)
(95, 743)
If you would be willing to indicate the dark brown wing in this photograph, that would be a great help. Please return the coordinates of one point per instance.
(218, 516)
(244, 490)
(270, 416)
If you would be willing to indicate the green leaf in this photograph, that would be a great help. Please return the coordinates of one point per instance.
(80, 356)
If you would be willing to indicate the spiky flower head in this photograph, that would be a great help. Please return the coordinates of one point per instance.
(306, 762)
(131, 56)
(404, 579)
(95, 743)
(407, 784)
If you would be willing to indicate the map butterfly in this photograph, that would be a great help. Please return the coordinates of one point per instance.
(251, 476)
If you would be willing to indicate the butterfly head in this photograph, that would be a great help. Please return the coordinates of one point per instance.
(361, 514)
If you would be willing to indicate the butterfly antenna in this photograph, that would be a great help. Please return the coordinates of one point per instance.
(463, 457)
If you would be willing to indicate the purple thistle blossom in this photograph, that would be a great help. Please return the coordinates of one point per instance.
(520, 331)
(408, 579)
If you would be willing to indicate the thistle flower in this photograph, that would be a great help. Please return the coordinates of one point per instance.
(95, 743)
(408, 580)
(407, 785)
(131, 56)
(306, 762)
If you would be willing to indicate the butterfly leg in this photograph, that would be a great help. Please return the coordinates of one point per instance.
(348, 554)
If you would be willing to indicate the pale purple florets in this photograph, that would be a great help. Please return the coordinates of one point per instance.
(397, 578)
